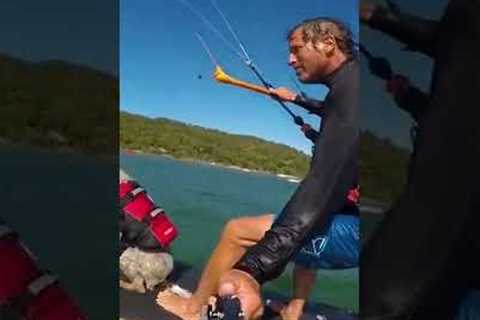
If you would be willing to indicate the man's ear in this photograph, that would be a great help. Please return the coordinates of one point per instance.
(329, 45)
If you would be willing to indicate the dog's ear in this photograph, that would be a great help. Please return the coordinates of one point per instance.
(137, 285)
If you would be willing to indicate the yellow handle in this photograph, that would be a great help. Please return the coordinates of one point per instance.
(221, 76)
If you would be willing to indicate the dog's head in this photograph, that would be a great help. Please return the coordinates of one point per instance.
(147, 268)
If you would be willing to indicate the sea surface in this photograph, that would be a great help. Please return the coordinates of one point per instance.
(62, 205)
(200, 198)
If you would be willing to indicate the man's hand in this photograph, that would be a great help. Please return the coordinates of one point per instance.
(246, 288)
(306, 127)
(283, 94)
(366, 11)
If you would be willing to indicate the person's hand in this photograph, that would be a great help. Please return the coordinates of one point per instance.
(366, 11)
(246, 288)
(306, 127)
(291, 311)
(284, 94)
(398, 85)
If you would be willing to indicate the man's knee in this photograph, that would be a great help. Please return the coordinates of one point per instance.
(245, 230)
(232, 231)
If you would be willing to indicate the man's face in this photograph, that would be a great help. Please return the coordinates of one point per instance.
(309, 61)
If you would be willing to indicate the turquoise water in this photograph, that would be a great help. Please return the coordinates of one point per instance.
(62, 206)
(200, 198)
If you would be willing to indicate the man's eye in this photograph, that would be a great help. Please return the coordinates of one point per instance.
(295, 49)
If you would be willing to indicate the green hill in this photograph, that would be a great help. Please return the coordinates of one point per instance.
(55, 105)
(383, 167)
(382, 164)
(185, 141)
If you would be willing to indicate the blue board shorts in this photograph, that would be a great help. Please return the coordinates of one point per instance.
(337, 246)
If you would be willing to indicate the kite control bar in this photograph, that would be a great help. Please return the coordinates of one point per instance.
(225, 308)
(222, 77)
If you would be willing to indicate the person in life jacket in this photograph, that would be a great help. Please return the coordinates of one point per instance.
(146, 233)
(315, 235)
(27, 291)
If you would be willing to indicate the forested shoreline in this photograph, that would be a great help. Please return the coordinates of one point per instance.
(382, 164)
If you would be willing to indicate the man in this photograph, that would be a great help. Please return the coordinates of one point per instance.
(425, 273)
(258, 248)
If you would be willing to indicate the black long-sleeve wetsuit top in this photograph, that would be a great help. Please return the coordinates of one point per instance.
(417, 33)
(312, 105)
(333, 171)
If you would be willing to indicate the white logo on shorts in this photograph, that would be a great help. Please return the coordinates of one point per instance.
(316, 246)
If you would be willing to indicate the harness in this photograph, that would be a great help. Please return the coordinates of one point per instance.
(353, 196)
(34, 293)
(136, 203)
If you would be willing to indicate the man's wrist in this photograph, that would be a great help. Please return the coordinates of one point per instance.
(298, 99)
(297, 303)
(251, 272)
(257, 284)
(379, 15)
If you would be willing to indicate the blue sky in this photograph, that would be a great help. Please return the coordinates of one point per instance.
(161, 60)
(84, 32)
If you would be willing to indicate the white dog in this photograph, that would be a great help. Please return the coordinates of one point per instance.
(144, 270)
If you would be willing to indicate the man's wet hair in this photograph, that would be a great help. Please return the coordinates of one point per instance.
(317, 29)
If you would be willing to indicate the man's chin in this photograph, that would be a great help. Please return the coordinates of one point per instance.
(304, 77)
(305, 80)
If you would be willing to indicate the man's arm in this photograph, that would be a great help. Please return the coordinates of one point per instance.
(312, 105)
(416, 33)
(303, 283)
(408, 97)
(310, 205)
(285, 94)
(310, 133)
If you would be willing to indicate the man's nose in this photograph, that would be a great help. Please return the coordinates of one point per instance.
(292, 59)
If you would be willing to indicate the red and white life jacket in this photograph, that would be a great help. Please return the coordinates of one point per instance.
(135, 202)
(35, 294)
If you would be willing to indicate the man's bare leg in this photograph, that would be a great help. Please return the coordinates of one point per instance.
(303, 282)
(237, 236)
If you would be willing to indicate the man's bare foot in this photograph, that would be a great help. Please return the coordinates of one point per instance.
(290, 311)
(294, 310)
(180, 306)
